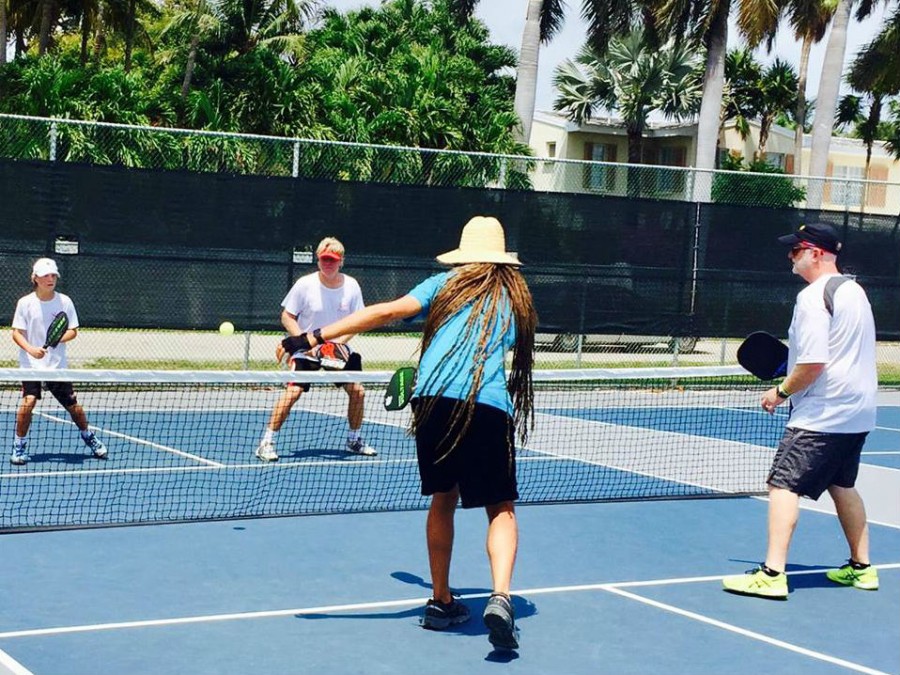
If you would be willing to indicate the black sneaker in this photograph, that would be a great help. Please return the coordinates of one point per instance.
(500, 621)
(439, 615)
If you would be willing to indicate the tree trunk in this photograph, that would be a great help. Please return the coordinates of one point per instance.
(189, 67)
(526, 75)
(99, 38)
(129, 35)
(826, 103)
(85, 36)
(800, 112)
(635, 156)
(708, 123)
(46, 24)
(765, 126)
(3, 32)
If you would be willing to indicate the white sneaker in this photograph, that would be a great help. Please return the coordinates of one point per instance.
(266, 452)
(96, 446)
(19, 456)
(360, 447)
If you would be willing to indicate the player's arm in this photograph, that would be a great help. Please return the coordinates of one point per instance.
(368, 318)
(69, 335)
(18, 336)
(801, 376)
(289, 321)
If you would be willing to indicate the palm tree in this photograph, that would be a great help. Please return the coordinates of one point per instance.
(706, 21)
(827, 98)
(199, 22)
(634, 78)
(809, 19)
(740, 97)
(877, 65)
(777, 95)
(543, 19)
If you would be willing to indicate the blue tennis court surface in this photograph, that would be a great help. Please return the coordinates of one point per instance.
(599, 588)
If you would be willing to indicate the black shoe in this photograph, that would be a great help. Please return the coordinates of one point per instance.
(439, 615)
(500, 621)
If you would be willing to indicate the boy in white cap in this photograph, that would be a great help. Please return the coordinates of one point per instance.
(34, 312)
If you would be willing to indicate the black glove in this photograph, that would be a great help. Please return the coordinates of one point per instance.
(296, 343)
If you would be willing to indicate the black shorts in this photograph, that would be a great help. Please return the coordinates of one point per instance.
(63, 392)
(354, 363)
(808, 462)
(483, 463)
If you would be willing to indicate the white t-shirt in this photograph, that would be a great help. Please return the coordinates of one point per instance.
(843, 398)
(33, 316)
(316, 305)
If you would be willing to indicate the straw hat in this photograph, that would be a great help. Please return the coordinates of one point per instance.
(482, 241)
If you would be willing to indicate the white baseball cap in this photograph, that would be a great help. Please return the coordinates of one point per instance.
(43, 267)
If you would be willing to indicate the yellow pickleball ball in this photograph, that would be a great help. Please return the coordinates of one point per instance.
(226, 328)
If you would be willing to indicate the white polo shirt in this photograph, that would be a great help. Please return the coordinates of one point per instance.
(843, 397)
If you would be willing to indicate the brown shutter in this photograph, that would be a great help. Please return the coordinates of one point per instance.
(681, 156)
(611, 150)
(876, 195)
(789, 163)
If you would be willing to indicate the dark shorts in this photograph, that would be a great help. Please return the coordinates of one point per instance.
(483, 463)
(63, 392)
(808, 462)
(354, 363)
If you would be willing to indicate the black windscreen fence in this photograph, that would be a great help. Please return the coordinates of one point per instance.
(179, 250)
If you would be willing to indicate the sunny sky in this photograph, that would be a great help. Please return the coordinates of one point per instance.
(505, 19)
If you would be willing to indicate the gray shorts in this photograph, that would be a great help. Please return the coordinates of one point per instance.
(808, 462)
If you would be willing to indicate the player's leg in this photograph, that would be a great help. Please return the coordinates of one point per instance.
(784, 510)
(31, 392)
(291, 394)
(439, 534)
(356, 398)
(65, 394)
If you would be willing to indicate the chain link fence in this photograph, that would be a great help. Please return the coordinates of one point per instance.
(246, 287)
(58, 140)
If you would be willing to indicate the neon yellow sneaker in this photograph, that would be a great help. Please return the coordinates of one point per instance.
(759, 584)
(866, 579)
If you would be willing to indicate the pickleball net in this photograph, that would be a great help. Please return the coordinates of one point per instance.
(181, 445)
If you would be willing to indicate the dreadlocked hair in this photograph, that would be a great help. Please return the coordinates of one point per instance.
(488, 288)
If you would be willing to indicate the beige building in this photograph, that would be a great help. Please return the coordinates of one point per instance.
(585, 158)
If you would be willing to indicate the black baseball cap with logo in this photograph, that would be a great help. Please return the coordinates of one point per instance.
(821, 235)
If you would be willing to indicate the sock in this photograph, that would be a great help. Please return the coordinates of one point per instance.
(86, 434)
(858, 565)
(769, 571)
(269, 436)
(354, 435)
(20, 441)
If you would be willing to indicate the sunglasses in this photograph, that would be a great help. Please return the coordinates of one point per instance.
(802, 246)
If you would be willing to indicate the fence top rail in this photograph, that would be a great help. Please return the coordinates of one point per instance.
(402, 148)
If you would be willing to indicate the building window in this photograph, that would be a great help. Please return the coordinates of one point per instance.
(551, 150)
(846, 193)
(669, 180)
(777, 159)
(600, 178)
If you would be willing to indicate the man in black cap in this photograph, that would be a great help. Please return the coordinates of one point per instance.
(832, 385)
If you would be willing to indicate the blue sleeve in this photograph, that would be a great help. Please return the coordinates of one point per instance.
(425, 293)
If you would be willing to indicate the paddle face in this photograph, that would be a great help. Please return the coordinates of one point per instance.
(763, 355)
(56, 330)
(399, 389)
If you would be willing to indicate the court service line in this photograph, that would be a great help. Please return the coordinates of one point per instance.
(141, 441)
(351, 607)
(780, 414)
(746, 633)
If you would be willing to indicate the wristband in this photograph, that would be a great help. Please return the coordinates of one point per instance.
(317, 333)
(781, 393)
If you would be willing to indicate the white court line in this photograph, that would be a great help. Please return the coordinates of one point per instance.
(748, 633)
(780, 414)
(139, 441)
(9, 666)
(383, 604)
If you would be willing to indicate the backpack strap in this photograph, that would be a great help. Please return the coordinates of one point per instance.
(831, 287)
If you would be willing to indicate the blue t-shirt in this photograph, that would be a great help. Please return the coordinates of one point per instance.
(454, 376)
